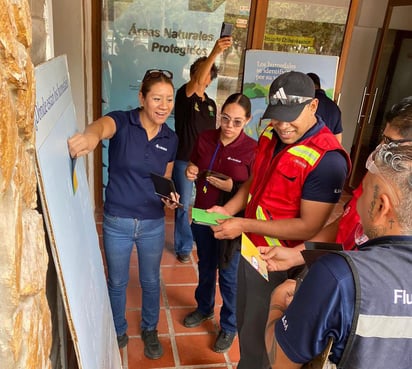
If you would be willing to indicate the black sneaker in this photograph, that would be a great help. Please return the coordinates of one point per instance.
(152, 347)
(122, 340)
(183, 258)
(195, 318)
(223, 342)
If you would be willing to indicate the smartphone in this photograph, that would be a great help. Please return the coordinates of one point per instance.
(205, 173)
(226, 29)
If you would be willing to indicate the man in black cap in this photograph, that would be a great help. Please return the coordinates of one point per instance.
(297, 179)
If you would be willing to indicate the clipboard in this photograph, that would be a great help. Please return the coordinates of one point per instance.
(201, 216)
(163, 187)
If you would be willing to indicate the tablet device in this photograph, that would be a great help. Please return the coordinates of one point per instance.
(163, 187)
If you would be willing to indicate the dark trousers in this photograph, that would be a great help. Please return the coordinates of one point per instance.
(253, 300)
(208, 251)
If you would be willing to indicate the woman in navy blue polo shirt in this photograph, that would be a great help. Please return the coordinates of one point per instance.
(140, 143)
(229, 151)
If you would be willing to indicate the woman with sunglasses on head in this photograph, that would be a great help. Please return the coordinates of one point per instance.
(140, 143)
(221, 161)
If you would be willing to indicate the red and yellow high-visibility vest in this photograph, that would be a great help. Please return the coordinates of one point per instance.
(277, 184)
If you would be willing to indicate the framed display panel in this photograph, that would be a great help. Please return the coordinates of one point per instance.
(69, 219)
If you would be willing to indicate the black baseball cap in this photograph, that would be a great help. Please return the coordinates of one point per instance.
(289, 93)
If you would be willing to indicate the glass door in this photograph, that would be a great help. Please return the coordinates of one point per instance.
(390, 80)
(137, 35)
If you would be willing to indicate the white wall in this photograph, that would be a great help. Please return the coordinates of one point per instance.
(72, 36)
(68, 24)
(370, 18)
(361, 52)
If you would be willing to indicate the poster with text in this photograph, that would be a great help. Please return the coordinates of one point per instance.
(262, 67)
(69, 218)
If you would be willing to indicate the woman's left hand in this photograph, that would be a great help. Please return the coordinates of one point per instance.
(221, 184)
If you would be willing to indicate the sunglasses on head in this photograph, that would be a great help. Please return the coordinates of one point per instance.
(156, 73)
(288, 99)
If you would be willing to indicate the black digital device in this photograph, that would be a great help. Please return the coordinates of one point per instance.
(205, 173)
(314, 250)
(163, 187)
(226, 29)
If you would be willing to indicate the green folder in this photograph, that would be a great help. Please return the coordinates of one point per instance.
(201, 216)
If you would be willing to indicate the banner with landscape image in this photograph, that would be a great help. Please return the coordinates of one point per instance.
(262, 67)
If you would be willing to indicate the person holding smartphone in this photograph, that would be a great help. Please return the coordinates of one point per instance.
(195, 112)
(230, 152)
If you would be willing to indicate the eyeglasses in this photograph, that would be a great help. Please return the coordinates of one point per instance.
(226, 119)
(156, 73)
(288, 99)
(387, 140)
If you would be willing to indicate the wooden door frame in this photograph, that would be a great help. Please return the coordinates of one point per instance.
(370, 90)
(97, 97)
(256, 36)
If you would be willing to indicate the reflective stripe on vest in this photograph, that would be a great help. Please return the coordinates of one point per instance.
(384, 326)
(260, 215)
(268, 133)
(306, 153)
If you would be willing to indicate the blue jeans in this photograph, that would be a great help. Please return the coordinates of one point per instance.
(182, 232)
(119, 236)
(208, 250)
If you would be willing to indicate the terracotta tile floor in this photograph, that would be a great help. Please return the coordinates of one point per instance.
(188, 348)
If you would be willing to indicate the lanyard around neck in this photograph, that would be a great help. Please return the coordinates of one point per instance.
(212, 161)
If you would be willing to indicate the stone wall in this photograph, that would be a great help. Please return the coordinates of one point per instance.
(25, 330)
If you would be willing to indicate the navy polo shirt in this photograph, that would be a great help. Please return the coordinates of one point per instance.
(323, 307)
(329, 112)
(325, 183)
(132, 157)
